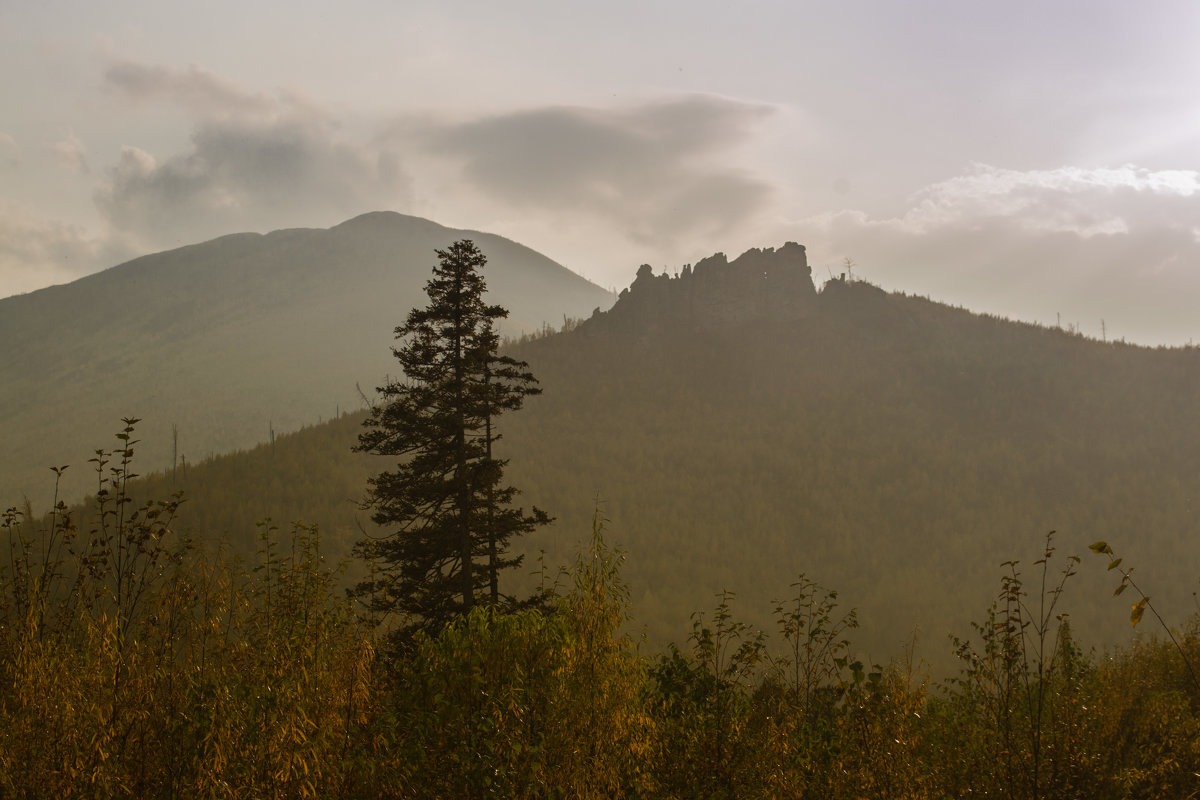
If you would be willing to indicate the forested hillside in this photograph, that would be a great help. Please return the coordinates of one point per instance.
(770, 458)
(739, 428)
(231, 339)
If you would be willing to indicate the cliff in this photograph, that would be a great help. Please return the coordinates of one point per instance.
(759, 283)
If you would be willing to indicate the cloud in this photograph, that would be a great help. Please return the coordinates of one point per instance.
(256, 162)
(1087, 244)
(10, 151)
(248, 174)
(654, 177)
(72, 154)
(1083, 201)
(24, 238)
(35, 252)
(191, 87)
(658, 171)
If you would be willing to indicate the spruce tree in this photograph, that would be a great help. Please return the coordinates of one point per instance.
(446, 512)
(506, 383)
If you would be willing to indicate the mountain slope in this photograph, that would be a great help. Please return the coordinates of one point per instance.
(739, 428)
(232, 338)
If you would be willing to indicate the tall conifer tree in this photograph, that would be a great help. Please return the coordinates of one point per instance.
(447, 513)
(506, 383)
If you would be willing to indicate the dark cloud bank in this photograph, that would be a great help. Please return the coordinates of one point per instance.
(255, 162)
(656, 170)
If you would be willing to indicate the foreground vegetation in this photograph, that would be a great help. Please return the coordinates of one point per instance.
(132, 664)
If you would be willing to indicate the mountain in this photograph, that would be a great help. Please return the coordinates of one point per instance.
(737, 427)
(233, 339)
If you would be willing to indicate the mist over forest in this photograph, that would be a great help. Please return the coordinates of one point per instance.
(543, 400)
(724, 437)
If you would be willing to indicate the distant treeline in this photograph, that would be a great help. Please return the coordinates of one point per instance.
(899, 449)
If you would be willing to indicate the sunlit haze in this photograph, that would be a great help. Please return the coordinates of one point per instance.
(1034, 160)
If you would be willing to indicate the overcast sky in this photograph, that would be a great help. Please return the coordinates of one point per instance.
(1038, 160)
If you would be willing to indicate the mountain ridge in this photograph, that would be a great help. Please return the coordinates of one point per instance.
(235, 337)
(890, 447)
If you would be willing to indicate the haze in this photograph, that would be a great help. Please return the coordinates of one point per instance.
(1024, 159)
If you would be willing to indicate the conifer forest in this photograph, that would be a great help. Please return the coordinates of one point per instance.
(445, 636)
(652, 400)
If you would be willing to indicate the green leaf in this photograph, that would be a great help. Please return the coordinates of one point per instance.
(1116, 562)
(1100, 548)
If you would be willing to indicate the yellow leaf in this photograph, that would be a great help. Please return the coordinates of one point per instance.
(1139, 608)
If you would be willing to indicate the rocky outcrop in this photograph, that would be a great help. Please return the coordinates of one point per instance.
(759, 283)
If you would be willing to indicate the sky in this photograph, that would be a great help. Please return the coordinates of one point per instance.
(1035, 160)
